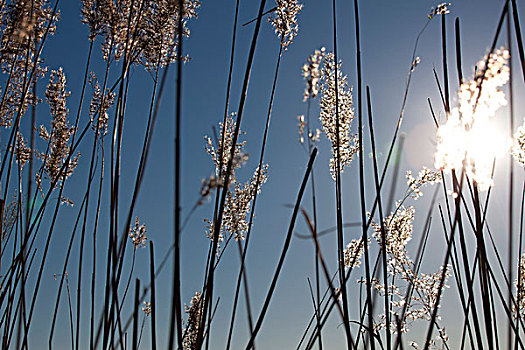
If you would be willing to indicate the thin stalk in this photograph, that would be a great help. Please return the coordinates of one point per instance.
(382, 222)
(141, 167)
(218, 222)
(333, 293)
(140, 170)
(510, 261)
(70, 313)
(94, 265)
(176, 314)
(136, 315)
(445, 63)
(317, 253)
(283, 252)
(520, 246)
(118, 126)
(64, 270)
(398, 126)
(338, 189)
(418, 260)
(457, 272)
(81, 249)
(458, 51)
(141, 330)
(42, 264)
(138, 181)
(254, 195)
(129, 280)
(153, 297)
(502, 298)
(445, 265)
(519, 38)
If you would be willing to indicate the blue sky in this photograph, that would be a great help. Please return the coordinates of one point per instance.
(388, 30)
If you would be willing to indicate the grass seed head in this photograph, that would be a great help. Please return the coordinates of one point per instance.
(284, 20)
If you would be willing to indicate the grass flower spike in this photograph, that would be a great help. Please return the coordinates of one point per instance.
(240, 195)
(520, 287)
(353, 253)
(441, 9)
(312, 73)
(61, 131)
(284, 20)
(425, 176)
(518, 147)
(213, 149)
(137, 234)
(348, 143)
(194, 311)
(147, 308)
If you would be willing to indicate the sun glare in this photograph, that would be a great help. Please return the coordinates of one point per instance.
(470, 138)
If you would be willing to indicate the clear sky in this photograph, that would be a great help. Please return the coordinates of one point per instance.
(388, 33)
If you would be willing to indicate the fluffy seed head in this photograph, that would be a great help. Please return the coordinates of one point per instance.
(312, 73)
(284, 20)
(348, 143)
(137, 234)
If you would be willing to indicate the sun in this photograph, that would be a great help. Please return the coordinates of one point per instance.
(470, 138)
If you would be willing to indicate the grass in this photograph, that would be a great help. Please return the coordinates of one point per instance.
(382, 297)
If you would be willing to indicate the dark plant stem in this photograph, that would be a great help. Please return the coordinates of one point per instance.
(140, 172)
(338, 189)
(136, 315)
(221, 144)
(153, 296)
(445, 62)
(283, 252)
(381, 220)
(519, 38)
(70, 313)
(458, 51)
(419, 258)
(141, 330)
(64, 274)
(468, 275)
(81, 249)
(510, 261)
(94, 266)
(317, 253)
(433, 318)
(483, 275)
(252, 211)
(520, 271)
(176, 314)
(218, 222)
(364, 232)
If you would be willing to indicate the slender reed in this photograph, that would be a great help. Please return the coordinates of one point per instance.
(176, 314)
(218, 222)
(445, 264)
(244, 249)
(338, 194)
(136, 315)
(520, 246)
(382, 222)
(510, 261)
(364, 232)
(283, 252)
(519, 38)
(153, 297)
